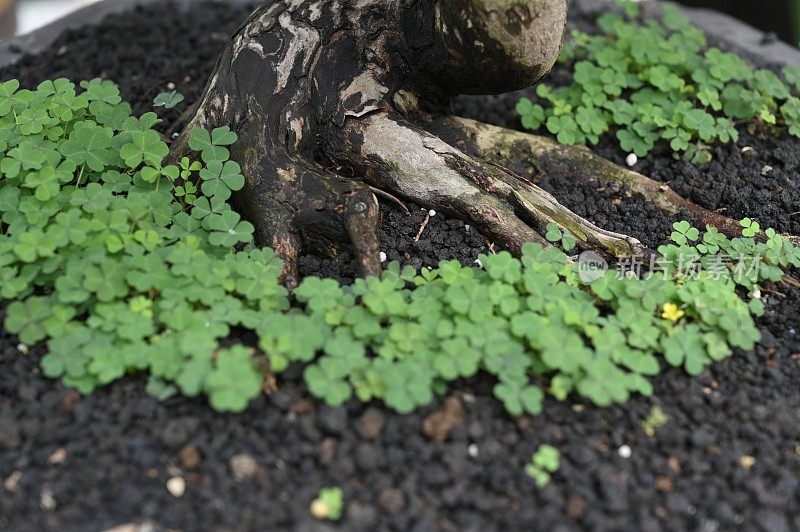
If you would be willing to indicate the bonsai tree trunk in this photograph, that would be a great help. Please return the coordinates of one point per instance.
(335, 99)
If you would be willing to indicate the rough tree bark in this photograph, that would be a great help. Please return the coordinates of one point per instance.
(332, 99)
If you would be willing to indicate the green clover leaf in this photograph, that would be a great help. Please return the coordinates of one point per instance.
(227, 229)
(168, 99)
(234, 381)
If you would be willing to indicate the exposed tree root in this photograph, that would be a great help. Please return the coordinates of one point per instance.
(395, 154)
(537, 156)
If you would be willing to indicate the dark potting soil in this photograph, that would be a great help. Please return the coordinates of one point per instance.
(728, 458)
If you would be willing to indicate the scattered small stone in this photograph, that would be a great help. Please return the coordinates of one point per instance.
(576, 507)
(370, 424)
(362, 516)
(47, 501)
(664, 484)
(431, 213)
(631, 159)
(326, 451)
(369, 456)
(22, 348)
(677, 503)
(133, 527)
(171, 86)
(440, 424)
(176, 486)
(674, 464)
(178, 431)
(302, 407)
(127, 527)
(766, 170)
(9, 433)
(472, 450)
(189, 456)
(243, 466)
(747, 462)
(771, 520)
(319, 509)
(28, 393)
(392, 500)
(625, 451)
(383, 256)
(12, 482)
(478, 262)
(57, 457)
(69, 399)
(749, 151)
(333, 420)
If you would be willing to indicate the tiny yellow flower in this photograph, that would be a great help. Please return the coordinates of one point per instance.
(672, 312)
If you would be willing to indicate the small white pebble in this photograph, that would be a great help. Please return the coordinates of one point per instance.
(431, 213)
(631, 159)
(747, 462)
(320, 509)
(756, 293)
(625, 451)
(747, 149)
(472, 450)
(22, 348)
(175, 135)
(46, 500)
(766, 170)
(479, 263)
(466, 226)
(57, 457)
(176, 486)
(12, 482)
(171, 86)
(383, 256)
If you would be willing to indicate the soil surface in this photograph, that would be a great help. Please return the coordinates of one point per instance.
(728, 458)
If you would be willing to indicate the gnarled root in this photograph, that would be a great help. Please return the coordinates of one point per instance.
(305, 208)
(295, 205)
(536, 156)
(398, 155)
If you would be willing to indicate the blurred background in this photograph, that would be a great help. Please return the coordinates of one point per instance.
(781, 17)
(22, 16)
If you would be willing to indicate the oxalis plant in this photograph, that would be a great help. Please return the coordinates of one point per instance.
(124, 254)
(103, 261)
(651, 81)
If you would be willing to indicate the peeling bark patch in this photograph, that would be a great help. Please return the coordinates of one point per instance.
(363, 95)
(412, 154)
(301, 47)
